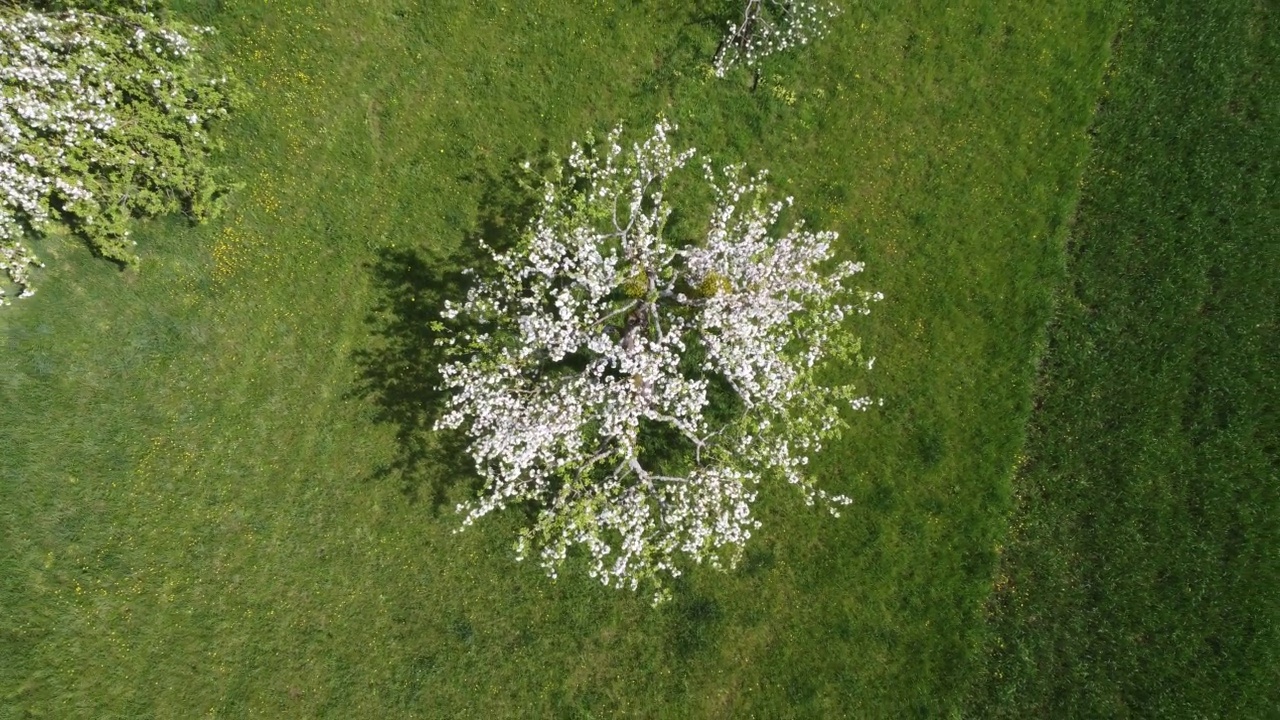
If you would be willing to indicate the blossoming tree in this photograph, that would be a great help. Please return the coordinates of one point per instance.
(634, 389)
(769, 26)
(102, 118)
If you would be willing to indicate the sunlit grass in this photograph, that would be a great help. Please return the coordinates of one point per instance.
(194, 517)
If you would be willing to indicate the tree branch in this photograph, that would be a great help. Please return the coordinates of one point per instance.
(619, 311)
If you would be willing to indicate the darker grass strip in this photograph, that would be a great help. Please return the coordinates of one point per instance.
(1140, 577)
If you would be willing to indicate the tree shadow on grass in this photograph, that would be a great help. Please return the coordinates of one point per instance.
(399, 370)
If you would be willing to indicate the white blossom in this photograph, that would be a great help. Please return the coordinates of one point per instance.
(770, 26)
(598, 331)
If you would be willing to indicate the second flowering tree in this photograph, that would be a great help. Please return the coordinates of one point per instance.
(632, 389)
(103, 119)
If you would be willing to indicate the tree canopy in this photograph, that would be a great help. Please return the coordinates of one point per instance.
(633, 388)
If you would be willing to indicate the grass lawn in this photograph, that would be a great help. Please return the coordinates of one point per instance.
(1140, 578)
(219, 499)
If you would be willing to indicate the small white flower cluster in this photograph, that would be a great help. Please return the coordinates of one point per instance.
(597, 327)
(60, 105)
(770, 26)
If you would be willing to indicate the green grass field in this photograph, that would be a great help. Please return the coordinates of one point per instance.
(220, 498)
(1141, 577)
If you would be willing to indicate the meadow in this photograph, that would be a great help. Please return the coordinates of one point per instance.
(221, 495)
